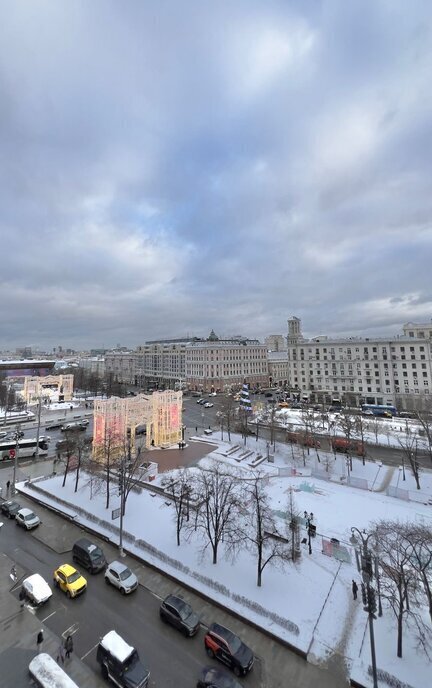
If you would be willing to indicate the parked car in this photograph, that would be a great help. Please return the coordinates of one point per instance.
(46, 673)
(121, 577)
(10, 509)
(175, 611)
(68, 579)
(211, 677)
(36, 589)
(227, 647)
(27, 519)
(208, 404)
(202, 401)
(213, 394)
(121, 663)
(344, 445)
(88, 555)
(53, 425)
(73, 427)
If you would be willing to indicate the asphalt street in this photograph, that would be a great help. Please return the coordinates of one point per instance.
(174, 660)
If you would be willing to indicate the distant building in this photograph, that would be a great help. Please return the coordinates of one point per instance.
(224, 364)
(276, 342)
(93, 364)
(278, 368)
(32, 367)
(376, 370)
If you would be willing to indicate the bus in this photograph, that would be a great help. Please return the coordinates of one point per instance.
(27, 448)
(385, 411)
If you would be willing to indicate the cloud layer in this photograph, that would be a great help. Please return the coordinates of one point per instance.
(168, 168)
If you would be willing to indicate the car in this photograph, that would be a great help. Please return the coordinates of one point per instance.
(213, 394)
(36, 589)
(84, 421)
(175, 611)
(69, 580)
(27, 519)
(224, 645)
(202, 401)
(121, 577)
(208, 404)
(10, 508)
(211, 677)
(89, 555)
(73, 427)
(120, 662)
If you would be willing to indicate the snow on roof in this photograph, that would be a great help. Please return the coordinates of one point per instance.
(39, 587)
(116, 646)
(44, 668)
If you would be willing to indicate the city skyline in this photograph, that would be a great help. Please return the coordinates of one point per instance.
(171, 169)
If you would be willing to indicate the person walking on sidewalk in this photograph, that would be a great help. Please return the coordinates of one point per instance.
(69, 646)
(61, 653)
(39, 640)
(7, 488)
(354, 589)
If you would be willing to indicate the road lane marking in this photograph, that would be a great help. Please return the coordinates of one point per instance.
(49, 616)
(91, 650)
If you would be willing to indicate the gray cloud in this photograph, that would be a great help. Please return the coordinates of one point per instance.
(172, 167)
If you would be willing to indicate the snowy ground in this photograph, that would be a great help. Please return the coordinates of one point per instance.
(309, 604)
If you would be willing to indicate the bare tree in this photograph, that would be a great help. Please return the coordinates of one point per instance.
(420, 537)
(219, 502)
(359, 432)
(179, 489)
(346, 423)
(425, 420)
(397, 579)
(260, 529)
(293, 515)
(227, 411)
(409, 448)
(68, 447)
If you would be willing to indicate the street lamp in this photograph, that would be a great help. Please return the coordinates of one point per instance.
(364, 565)
(15, 466)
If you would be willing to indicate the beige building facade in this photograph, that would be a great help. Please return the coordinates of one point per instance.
(358, 370)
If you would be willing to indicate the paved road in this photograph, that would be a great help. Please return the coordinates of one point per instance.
(174, 660)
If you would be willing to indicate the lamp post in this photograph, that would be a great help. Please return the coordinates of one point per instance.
(15, 466)
(36, 456)
(364, 565)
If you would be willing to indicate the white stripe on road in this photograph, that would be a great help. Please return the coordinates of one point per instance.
(49, 616)
(91, 650)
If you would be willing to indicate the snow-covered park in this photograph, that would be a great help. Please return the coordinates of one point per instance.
(308, 603)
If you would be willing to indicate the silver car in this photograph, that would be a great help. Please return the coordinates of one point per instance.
(121, 577)
(27, 519)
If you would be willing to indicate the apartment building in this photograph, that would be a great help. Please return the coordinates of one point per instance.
(162, 364)
(276, 342)
(123, 366)
(224, 364)
(278, 367)
(359, 370)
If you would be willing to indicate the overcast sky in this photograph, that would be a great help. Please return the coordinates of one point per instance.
(169, 167)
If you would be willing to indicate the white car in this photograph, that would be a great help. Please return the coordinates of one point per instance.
(208, 404)
(121, 577)
(36, 589)
(212, 394)
(27, 519)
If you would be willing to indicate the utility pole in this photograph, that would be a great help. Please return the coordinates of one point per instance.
(36, 456)
(364, 564)
(122, 487)
(17, 437)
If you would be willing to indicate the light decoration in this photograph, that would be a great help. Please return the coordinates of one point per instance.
(53, 387)
(115, 422)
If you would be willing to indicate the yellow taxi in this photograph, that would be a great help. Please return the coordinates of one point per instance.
(68, 579)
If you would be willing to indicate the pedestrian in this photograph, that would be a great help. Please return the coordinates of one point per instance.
(179, 445)
(354, 589)
(7, 487)
(39, 640)
(69, 646)
(196, 428)
(60, 653)
(22, 597)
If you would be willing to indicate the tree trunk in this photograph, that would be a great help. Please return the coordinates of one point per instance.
(399, 636)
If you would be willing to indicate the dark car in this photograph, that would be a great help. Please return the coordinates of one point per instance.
(210, 677)
(175, 611)
(227, 647)
(120, 662)
(10, 508)
(89, 555)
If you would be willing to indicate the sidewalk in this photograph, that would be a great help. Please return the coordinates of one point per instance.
(18, 633)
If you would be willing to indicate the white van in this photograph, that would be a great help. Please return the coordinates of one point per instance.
(46, 673)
